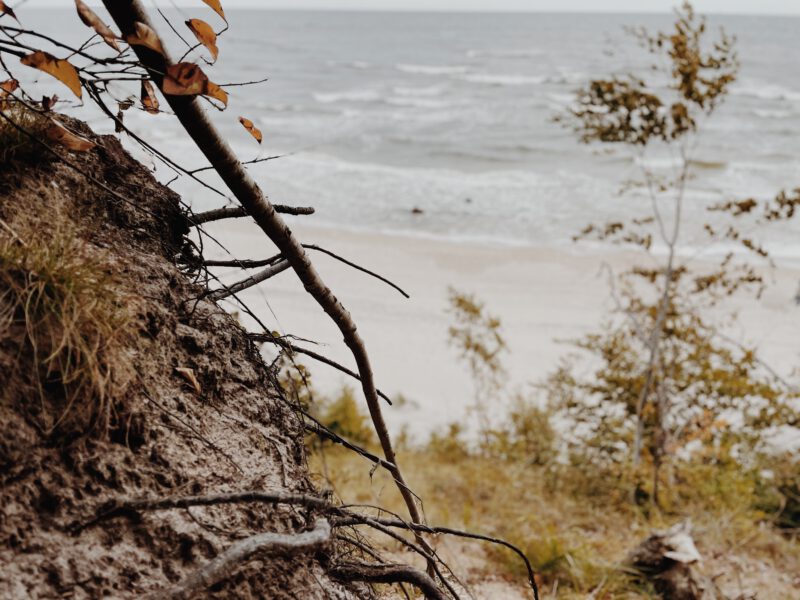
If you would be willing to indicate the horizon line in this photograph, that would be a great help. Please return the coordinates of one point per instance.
(477, 11)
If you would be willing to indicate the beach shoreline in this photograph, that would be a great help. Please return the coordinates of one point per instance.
(544, 297)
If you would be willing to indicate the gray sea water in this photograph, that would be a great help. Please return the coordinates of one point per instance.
(382, 113)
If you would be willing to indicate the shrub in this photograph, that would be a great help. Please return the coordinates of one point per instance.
(344, 417)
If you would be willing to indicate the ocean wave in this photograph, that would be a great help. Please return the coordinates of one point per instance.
(428, 91)
(432, 69)
(765, 113)
(506, 53)
(353, 64)
(502, 80)
(419, 102)
(366, 95)
(763, 91)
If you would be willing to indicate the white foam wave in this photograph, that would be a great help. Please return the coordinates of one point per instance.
(502, 80)
(348, 96)
(432, 69)
(764, 113)
(506, 53)
(432, 90)
(419, 102)
(764, 91)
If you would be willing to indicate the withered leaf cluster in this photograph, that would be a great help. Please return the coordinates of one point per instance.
(630, 110)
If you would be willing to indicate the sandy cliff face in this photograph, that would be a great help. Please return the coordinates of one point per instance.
(160, 436)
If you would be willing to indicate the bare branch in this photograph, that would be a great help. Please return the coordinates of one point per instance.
(235, 212)
(355, 266)
(117, 508)
(226, 563)
(239, 264)
(220, 155)
(388, 573)
(400, 524)
(270, 271)
(271, 339)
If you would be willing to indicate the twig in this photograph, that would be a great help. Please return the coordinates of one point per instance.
(317, 428)
(224, 564)
(235, 212)
(271, 339)
(240, 264)
(355, 266)
(253, 161)
(270, 271)
(352, 571)
(117, 508)
(400, 524)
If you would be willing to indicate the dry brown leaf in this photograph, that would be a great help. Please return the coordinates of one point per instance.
(184, 79)
(48, 102)
(251, 129)
(145, 36)
(188, 375)
(149, 100)
(58, 68)
(8, 86)
(216, 92)
(5, 9)
(90, 19)
(61, 135)
(205, 35)
(216, 6)
(187, 79)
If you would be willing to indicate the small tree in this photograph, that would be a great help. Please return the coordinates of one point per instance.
(667, 378)
(477, 336)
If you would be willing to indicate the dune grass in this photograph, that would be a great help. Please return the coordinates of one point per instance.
(576, 526)
(66, 327)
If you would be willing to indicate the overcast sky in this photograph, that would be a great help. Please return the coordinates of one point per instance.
(772, 7)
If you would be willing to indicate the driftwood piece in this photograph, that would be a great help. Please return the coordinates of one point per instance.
(668, 559)
(223, 565)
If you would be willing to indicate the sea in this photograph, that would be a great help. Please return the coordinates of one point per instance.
(445, 125)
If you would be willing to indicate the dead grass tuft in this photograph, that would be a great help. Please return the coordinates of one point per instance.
(16, 143)
(66, 326)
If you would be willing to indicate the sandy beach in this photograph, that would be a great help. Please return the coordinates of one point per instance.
(543, 296)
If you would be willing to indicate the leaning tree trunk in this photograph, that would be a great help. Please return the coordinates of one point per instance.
(222, 158)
